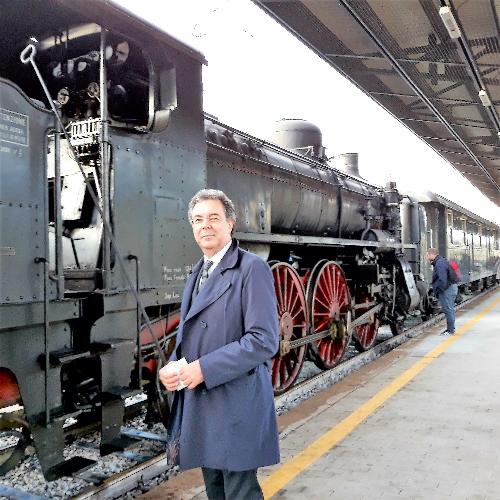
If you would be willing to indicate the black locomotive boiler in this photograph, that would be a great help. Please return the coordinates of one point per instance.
(103, 141)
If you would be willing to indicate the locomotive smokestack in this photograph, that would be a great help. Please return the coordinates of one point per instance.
(349, 162)
(300, 136)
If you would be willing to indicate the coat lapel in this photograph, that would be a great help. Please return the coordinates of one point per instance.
(188, 289)
(215, 286)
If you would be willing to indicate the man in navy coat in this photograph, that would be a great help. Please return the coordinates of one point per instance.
(224, 421)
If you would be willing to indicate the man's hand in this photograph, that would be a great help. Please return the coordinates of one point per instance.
(191, 375)
(168, 379)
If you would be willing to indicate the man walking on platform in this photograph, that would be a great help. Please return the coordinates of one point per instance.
(444, 289)
(224, 420)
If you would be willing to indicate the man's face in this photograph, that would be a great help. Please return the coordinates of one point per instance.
(430, 257)
(211, 228)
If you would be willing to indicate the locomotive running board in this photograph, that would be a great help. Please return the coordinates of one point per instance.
(315, 240)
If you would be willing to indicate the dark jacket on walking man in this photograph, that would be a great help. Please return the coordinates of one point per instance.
(444, 290)
(225, 421)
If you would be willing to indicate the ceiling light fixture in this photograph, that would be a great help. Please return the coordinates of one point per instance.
(485, 98)
(450, 22)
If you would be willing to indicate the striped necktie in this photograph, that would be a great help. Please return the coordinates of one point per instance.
(204, 273)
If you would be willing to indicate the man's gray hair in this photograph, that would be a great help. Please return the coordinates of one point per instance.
(213, 194)
(433, 251)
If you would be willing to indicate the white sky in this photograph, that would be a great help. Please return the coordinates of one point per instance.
(258, 73)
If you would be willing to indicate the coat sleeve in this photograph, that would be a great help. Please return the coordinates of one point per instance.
(440, 282)
(260, 324)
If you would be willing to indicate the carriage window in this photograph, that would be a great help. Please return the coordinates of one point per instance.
(450, 219)
(458, 237)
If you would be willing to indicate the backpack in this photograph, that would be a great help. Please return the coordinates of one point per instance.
(454, 275)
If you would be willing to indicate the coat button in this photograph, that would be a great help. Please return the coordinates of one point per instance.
(203, 324)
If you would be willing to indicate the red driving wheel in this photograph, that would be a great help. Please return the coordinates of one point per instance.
(329, 305)
(292, 314)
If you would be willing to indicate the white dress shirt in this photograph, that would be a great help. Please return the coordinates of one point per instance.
(217, 257)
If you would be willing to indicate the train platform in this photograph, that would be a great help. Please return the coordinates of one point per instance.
(420, 422)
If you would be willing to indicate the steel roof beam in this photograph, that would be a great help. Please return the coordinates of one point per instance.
(477, 77)
(416, 89)
(493, 67)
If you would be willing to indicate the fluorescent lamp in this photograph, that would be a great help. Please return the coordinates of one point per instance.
(450, 22)
(485, 98)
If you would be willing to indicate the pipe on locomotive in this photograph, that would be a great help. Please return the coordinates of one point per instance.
(27, 56)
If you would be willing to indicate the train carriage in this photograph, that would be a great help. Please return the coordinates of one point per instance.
(460, 235)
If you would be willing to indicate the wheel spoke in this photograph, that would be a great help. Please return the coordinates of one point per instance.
(326, 306)
(332, 277)
(336, 276)
(328, 282)
(326, 294)
(296, 300)
(280, 296)
(285, 304)
(330, 351)
(283, 371)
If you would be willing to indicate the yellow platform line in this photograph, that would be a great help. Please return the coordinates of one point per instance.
(291, 469)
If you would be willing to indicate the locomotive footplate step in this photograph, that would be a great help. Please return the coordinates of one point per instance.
(66, 356)
(111, 437)
(408, 425)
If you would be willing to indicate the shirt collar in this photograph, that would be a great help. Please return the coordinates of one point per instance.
(217, 257)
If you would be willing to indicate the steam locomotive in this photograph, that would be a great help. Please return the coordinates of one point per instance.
(103, 141)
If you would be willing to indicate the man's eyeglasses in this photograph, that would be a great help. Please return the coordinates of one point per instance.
(213, 219)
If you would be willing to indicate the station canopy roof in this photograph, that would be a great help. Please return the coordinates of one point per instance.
(443, 83)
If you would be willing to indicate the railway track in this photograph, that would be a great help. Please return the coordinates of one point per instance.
(137, 477)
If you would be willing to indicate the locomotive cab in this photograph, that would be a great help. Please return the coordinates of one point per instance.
(101, 80)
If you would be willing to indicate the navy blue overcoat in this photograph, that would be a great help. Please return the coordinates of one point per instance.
(229, 421)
